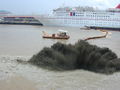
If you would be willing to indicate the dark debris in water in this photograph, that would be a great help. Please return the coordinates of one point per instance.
(81, 55)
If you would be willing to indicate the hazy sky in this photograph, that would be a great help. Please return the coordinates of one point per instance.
(45, 6)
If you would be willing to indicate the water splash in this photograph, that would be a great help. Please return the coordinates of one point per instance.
(81, 55)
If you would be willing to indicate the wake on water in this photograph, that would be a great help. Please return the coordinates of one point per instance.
(81, 55)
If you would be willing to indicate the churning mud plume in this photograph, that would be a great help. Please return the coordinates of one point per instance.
(81, 55)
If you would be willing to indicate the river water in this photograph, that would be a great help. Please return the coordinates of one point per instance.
(22, 41)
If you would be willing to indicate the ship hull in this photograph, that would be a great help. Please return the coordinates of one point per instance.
(105, 28)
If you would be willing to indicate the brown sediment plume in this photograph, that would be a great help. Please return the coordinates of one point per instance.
(81, 55)
(17, 83)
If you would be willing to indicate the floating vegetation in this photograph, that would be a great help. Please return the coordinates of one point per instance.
(81, 55)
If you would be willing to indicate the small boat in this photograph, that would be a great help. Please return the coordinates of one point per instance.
(62, 34)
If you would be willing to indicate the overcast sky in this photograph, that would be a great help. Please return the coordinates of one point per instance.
(45, 6)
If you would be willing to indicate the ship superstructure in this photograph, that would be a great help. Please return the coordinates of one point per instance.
(83, 16)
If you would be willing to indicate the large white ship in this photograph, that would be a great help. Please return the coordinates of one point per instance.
(82, 17)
